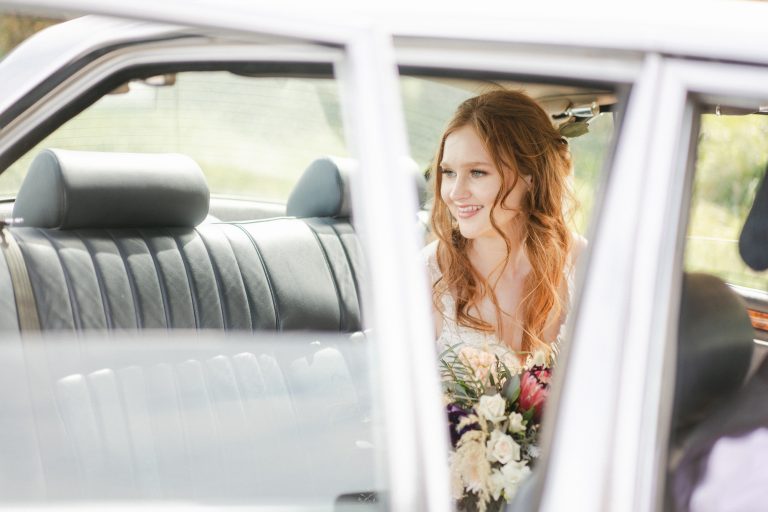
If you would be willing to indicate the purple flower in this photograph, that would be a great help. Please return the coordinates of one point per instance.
(455, 415)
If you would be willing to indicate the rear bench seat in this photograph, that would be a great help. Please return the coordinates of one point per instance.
(114, 242)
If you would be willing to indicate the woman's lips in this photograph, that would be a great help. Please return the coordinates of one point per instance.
(465, 212)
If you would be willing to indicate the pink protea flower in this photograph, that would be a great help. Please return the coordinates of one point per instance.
(534, 389)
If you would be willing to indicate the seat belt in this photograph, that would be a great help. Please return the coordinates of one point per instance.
(26, 308)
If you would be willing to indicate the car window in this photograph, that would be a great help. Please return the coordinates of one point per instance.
(252, 136)
(720, 358)
(185, 360)
(475, 363)
(731, 159)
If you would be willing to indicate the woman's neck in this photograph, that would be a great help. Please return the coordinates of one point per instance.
(488, 254)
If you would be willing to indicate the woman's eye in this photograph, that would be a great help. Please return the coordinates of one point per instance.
(448, 173)
(477, 173)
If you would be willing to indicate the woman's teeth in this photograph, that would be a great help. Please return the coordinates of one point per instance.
(468, 211)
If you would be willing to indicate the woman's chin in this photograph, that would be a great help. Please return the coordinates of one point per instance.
(469, 232)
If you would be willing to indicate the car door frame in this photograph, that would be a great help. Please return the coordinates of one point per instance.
(414, 460)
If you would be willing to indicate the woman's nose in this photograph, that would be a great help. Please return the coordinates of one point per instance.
(459, 189)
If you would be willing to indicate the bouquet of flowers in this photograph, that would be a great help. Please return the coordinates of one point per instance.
(494, 408)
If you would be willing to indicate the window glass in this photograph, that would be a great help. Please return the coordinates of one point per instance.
(731, 159)
(564, 134)
(721, 365)
(252, 136)
(193, 363)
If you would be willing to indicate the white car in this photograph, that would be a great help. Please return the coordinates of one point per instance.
(212, 292)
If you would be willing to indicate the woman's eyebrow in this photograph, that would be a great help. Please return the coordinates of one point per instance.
(477, 163)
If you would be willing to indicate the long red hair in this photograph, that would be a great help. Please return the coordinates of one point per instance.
(521, 140)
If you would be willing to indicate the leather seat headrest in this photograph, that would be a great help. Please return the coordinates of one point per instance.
(715, 343)
(83, 189)
(753, 241)
(323, 189)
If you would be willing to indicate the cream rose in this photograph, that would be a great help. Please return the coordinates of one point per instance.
(496, 484)
(516, 422)
(480, 361)
(492, 408)
(502, 448)
(514, 473)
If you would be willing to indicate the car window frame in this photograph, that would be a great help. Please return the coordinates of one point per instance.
(556, 489)
(700, 83)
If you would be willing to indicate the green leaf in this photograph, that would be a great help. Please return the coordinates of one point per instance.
(528, 415)
(511, 389)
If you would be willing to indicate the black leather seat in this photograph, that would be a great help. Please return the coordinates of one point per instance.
(715, 344)
(114, 241)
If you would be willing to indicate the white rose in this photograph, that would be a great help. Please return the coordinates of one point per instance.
(516, 422)
(496, 484)
(502, 448)
(492, 408)
(514, 473)
(512, 363)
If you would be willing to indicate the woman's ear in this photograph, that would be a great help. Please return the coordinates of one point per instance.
(528, 179)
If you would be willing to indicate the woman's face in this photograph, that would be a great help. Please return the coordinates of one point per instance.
(470, 183)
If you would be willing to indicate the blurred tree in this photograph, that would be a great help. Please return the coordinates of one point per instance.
(733, 151)
(15, 28)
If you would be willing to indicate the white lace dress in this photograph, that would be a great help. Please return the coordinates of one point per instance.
(454, 334)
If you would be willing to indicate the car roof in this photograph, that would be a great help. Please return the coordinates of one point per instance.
(709, 29)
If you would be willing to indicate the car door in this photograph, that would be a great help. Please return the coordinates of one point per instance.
(362, 61)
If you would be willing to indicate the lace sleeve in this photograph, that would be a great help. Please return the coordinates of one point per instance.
(429, 252)
(580, 244)
(570, 283)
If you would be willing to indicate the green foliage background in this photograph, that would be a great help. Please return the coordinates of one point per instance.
(731, 158)
(15, 28)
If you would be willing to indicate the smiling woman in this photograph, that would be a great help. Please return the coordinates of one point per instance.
(503, 248)
(502, 269)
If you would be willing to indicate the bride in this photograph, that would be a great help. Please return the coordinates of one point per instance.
(502, 263)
